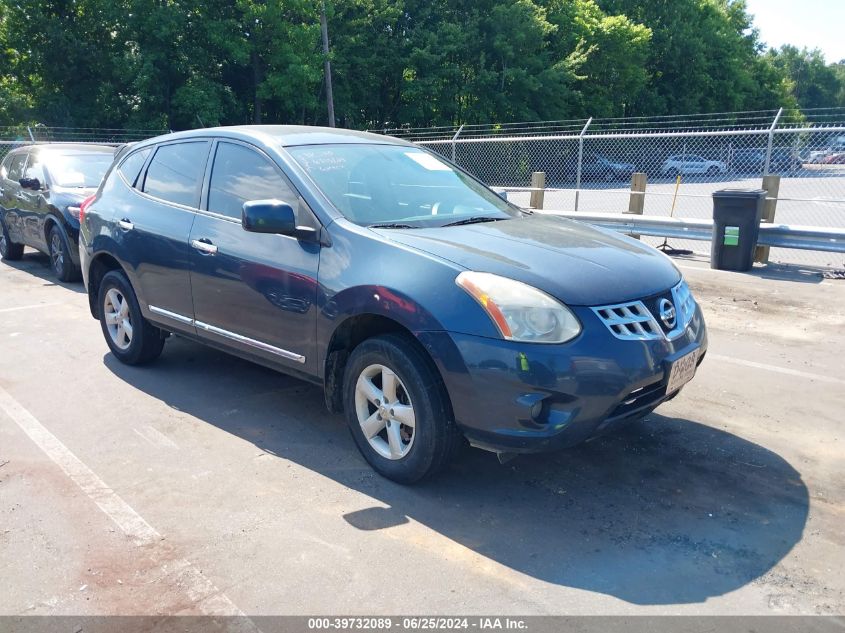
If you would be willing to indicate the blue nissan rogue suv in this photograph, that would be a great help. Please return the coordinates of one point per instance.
(427, 307)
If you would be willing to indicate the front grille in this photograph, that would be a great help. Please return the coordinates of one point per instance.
(637, 320)
(629, 321)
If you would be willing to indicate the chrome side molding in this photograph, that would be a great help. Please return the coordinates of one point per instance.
(239, 338)
(171, 315)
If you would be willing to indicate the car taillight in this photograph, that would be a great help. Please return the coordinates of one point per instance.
(84, 207)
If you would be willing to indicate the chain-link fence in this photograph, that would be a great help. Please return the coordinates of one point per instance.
(588, 164)
(17, 136)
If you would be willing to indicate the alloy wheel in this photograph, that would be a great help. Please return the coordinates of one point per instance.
(56, 253)
(385, 411)
(117, 318)
(4, 245)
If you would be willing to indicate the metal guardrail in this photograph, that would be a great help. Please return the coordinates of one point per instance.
(777, 235)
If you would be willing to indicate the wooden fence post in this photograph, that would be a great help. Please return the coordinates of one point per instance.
(772, 185)
(538, 186)
(636, 201)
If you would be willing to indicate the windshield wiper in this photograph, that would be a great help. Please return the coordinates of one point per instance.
(476, 219)
(390, 225)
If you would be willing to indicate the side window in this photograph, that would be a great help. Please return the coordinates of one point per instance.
(35, 168)
(132, 164)
(176, 171)
(240, 174)
(16, 167)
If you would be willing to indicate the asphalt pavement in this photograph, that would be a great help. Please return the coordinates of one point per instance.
(203, 484)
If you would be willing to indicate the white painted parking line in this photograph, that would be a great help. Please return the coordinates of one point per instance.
(155, 437)
(774, 368)
(202, 592)
(30, 307)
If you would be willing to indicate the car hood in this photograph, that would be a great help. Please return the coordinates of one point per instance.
(575, 262)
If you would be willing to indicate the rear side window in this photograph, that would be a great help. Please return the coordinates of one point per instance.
(240, 174)
(132, 164)
(35, 168)
(176, 171)
(16, 167)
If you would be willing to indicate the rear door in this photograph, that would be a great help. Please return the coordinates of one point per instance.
(11, 199)
(695, 165)
(253, 291)
(154, 230)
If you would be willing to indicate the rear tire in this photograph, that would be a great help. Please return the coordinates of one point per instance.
(416, 437)
(132, 339)
(60, 260)
(9, 251)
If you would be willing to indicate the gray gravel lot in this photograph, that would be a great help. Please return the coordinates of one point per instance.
(729, 499)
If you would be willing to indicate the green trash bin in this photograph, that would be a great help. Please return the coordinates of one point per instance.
(736, 227)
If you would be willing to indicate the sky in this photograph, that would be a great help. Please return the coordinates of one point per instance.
(811, 23)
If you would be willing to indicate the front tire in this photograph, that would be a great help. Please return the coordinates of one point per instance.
(397, 410)
(9, 251)
(60, 260)
(132, 339)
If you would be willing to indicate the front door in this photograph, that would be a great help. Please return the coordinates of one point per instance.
(32, 208)
(253, 291)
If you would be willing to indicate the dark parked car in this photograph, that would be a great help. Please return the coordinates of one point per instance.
(598, 167)
(753, 160)
(426, 306)
(41, 188)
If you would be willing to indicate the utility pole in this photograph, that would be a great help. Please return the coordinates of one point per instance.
(327, 65)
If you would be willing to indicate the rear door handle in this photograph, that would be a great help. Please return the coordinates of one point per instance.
(125, 224)
(205, 246)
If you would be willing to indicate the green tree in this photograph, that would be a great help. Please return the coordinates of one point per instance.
(609, 54)
(812, 82)
(704, 57)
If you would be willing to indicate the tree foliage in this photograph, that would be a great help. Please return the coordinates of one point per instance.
(187, 63)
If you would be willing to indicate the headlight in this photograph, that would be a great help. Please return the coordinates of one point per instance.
(521, 312)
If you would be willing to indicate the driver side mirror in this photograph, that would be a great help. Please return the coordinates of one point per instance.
(30, 183)
(269, 216)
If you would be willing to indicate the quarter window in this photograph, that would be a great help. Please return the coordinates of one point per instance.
(175, 172)
(240, 174)
(35, 168)
(131, 166)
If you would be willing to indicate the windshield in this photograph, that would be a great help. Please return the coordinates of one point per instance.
(397, 185)
(78, 170)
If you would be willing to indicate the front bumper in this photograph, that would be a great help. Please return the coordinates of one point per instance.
(523, 398)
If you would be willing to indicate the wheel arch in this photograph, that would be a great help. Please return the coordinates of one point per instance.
(100, 264)
(350, 333)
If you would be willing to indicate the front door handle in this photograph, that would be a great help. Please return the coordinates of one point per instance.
(125, 224)
(205, 246)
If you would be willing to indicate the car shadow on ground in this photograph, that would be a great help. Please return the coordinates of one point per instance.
(38, 264)
(665, 511)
